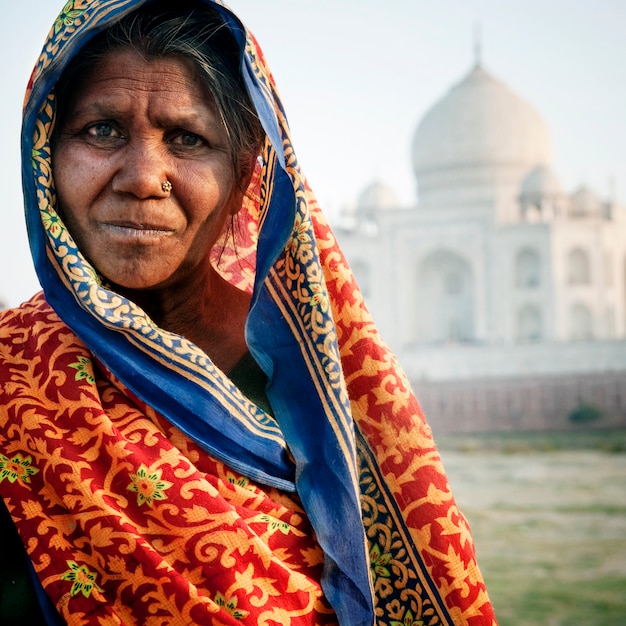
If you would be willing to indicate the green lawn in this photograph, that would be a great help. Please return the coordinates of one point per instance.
(548, 514)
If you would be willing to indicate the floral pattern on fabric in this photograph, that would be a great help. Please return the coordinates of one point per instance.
(148, 486)
(17, 468)
(206, 516)
(83, 581)
(126, 513)
(83, 370)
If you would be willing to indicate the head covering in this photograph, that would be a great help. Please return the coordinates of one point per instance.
(366, 468)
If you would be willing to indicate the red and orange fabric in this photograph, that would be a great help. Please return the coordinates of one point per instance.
(149, 490)
(100, 483)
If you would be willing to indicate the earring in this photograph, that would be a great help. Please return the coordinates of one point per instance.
(166, 186)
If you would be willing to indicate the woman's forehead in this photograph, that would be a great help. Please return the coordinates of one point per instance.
(123, 79)
(126, 68)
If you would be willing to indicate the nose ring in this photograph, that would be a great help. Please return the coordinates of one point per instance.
(166, 186)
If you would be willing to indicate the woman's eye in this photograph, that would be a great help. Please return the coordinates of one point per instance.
(103, 130)
(188, 139)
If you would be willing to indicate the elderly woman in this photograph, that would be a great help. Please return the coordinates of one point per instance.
(198, 421)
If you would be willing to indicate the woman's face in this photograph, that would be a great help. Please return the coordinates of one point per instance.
(134, 125)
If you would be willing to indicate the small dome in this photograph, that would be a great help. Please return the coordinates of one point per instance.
(541, 182)
(375, 197)
(480, 121)
(586, 202)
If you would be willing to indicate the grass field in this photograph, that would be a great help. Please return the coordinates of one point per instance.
(548, 514)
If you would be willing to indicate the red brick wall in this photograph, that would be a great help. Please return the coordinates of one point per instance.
(521, 404)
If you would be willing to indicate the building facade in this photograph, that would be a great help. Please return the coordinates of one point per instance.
(496, 273)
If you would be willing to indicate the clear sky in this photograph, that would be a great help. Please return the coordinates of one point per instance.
(356, 77)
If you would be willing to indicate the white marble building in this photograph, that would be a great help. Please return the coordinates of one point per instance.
(497, 271)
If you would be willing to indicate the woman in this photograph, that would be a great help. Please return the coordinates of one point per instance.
(198, 421)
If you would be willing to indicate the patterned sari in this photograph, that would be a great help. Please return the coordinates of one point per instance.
(148, 489)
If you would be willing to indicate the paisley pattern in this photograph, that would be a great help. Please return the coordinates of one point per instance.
(149, 490)
(128, 521)
(112, 498)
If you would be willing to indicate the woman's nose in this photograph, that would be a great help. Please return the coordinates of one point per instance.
(142, 171)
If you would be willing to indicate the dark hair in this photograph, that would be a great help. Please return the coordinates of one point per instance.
(196, 32)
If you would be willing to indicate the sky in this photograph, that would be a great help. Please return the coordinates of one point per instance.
(357, 76)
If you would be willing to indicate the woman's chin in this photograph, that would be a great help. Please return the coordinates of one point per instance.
(137, 281)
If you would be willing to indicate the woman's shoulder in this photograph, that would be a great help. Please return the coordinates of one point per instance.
(36, 306)
(23, 327)
(28, 316)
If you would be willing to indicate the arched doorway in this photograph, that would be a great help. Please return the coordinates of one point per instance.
(445, 299)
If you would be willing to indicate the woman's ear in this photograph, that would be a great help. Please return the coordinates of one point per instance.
(249, 176)
(246, 170)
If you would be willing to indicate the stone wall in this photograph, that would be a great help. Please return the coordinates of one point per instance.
(522, 404)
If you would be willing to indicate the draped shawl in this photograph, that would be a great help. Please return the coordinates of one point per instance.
(346, 436)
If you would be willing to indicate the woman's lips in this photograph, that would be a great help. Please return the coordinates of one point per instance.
(131, 230)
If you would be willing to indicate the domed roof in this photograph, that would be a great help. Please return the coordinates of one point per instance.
(481, 121)
(377, 196)
(586, 202)
(542, 181)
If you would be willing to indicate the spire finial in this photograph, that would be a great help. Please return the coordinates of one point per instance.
(478, 45)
